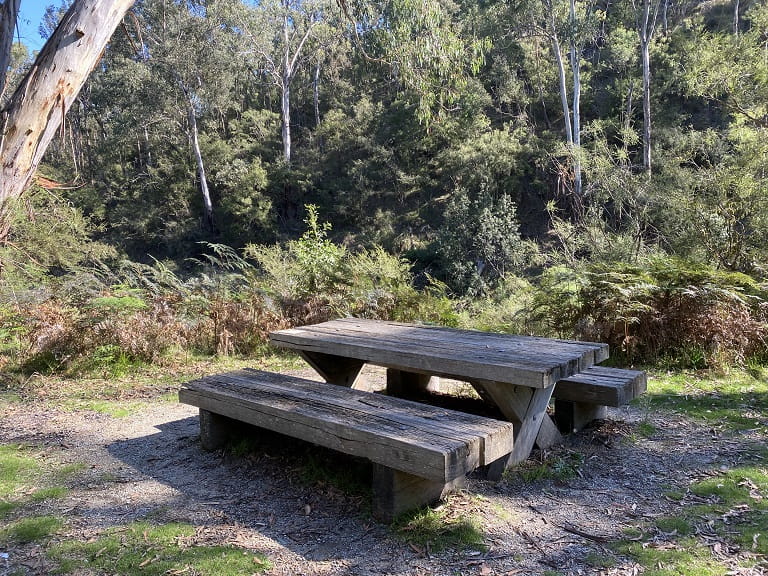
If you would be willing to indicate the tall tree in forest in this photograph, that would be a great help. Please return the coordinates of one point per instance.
(646, 14)
(278, 35)
(183, 52)
(39, 105)
(575, 28)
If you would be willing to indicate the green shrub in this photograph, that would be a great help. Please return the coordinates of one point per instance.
(666, 307)
(312, 280)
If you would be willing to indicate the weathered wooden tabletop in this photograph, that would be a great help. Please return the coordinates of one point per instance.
(461, 354)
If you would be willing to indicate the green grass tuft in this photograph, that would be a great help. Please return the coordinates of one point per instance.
(734, 507)
(559, 467)
(33, 529)
(17, 467)
(739, 509)
(736, 401)
(436, 531)
(156, 550)
(684, 558)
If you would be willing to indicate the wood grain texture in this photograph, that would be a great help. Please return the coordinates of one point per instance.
(395, 492)
(526, 408)
(460, 354)
(334, 369)
(603, 386)
(418, 439)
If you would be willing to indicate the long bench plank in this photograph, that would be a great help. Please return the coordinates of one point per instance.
(424, 441)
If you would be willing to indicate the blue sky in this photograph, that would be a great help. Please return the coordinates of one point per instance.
(30, 14)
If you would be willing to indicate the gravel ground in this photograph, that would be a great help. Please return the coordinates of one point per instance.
(150, 465)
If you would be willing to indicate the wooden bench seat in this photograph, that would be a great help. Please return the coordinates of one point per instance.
(419, 452)
(583, 397)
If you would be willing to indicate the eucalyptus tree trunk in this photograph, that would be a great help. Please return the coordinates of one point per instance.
(646, 24)
(286, 88)
(646, 107)
(316, 94)
(558, 54)
(194, 139)
(571, 118)
(575, 55)
(39, 105)
(9, 12)
(285, 102)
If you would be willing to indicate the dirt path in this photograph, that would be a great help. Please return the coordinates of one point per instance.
(150, 466)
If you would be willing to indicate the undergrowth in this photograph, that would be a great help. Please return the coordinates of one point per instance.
(113, 320)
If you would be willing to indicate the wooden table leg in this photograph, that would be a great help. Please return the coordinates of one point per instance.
(526, 408)
(335, 369)
(407, 384)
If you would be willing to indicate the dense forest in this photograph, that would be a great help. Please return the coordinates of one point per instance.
(580, 168)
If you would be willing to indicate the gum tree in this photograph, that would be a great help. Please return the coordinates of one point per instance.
(38, 108)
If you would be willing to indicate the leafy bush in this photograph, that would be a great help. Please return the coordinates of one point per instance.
(312, 279)
(671, 308)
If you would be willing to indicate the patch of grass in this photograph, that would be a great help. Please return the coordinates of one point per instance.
(155, 550)
(436, 530)
(675, 495)
(17, 467)
(683, 558)
(736, 401)
(25, 478)
(66, 471)
(6, 508)
(32, 529)
(739, 509)
(632, 532)
(114, 408)
(597, 560)
(51, 493)
(674, 525)
(561, 467)
(142, 382)
(734, 507)
(646, 429)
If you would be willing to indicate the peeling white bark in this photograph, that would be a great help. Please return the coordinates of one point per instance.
(39, 106)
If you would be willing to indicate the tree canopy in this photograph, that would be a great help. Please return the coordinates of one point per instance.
(478, 139)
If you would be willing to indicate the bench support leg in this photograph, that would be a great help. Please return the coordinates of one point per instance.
(410, 384)
(335, 369)
(215, 429)
(395, 492)
(573, 416)
(526, 408)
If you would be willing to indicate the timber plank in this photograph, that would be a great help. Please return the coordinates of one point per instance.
(446, 352)
(450, 422)
(602, 385)
(453, 336)
(421, 440)
(490, 342)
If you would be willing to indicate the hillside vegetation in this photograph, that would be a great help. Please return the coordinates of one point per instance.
(568, 169)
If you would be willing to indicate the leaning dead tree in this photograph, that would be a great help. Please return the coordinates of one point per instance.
(38, 107)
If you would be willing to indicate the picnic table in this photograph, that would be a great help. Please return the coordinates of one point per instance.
(516, 373)
(419, 451)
